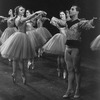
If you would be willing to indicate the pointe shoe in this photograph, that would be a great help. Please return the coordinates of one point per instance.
(59, 73)
(38, 55)
(13, 78)
(33, 67)
(64, 75)
(9, 59)
(76, 95)
(68, 94)
(28, 65)
(24, 80)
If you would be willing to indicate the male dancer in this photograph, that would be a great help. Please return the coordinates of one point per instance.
(72, 51)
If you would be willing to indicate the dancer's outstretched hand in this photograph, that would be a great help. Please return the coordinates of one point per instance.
(40, 12)
(48, 19)
(95, 18)
(44, 13)
(2, 17)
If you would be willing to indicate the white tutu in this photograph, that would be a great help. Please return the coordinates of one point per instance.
(44, 33)
(56, 45)
(17, 46)
(7, 33)
(95, 45)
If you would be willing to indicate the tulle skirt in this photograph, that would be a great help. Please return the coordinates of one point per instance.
(37, 40)
(56, 45)
(0, 36)
(17, 46)
(44, 33)
(95, 45)
(7, 33)
(0, 33)
(33, 39)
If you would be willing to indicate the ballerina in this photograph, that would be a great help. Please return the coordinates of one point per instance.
(11, 29)
(56, 45)
(10, 26)
(42, 31)
(30, 30)
(18, 47)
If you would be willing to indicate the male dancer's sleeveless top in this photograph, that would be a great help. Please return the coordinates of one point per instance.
(74, 34)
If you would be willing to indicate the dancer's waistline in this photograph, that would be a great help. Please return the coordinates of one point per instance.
(73, 43)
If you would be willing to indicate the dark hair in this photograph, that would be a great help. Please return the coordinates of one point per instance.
(77, 8)
(28, 10)
(67, 11)
(17, 10)
(10, 10)
(61, 11)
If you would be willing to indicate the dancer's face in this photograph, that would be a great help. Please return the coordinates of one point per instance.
(21, 11)
(10, 12)
(27, 13)
(73, 11)
(62, 15)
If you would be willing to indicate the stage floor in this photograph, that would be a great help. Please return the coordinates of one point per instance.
(43, 83)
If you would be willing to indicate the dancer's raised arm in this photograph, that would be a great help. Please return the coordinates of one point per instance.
(32, 16)
(87, 24)
(59, 21)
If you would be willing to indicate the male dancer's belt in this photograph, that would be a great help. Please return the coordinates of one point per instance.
(73, 43)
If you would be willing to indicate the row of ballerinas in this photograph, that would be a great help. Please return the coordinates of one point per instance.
(20, 48)
(24, 36)
(21, 40)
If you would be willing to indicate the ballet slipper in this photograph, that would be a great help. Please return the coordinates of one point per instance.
(68, 94)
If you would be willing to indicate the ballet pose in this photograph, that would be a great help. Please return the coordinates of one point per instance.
(30, 30)
(73, 51)
(42, 31)
(61, 62)
(29, 22)
(56, 45)
(10, 27)
(18, 47)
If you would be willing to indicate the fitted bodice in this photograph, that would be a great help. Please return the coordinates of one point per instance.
(29, 26)
(20, 25)
(63, 30)
(10, 22)
(39, 23)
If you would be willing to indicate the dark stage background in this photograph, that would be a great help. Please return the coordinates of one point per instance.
(89, 9)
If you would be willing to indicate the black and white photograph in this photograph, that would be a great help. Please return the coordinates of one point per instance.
(49, 49)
